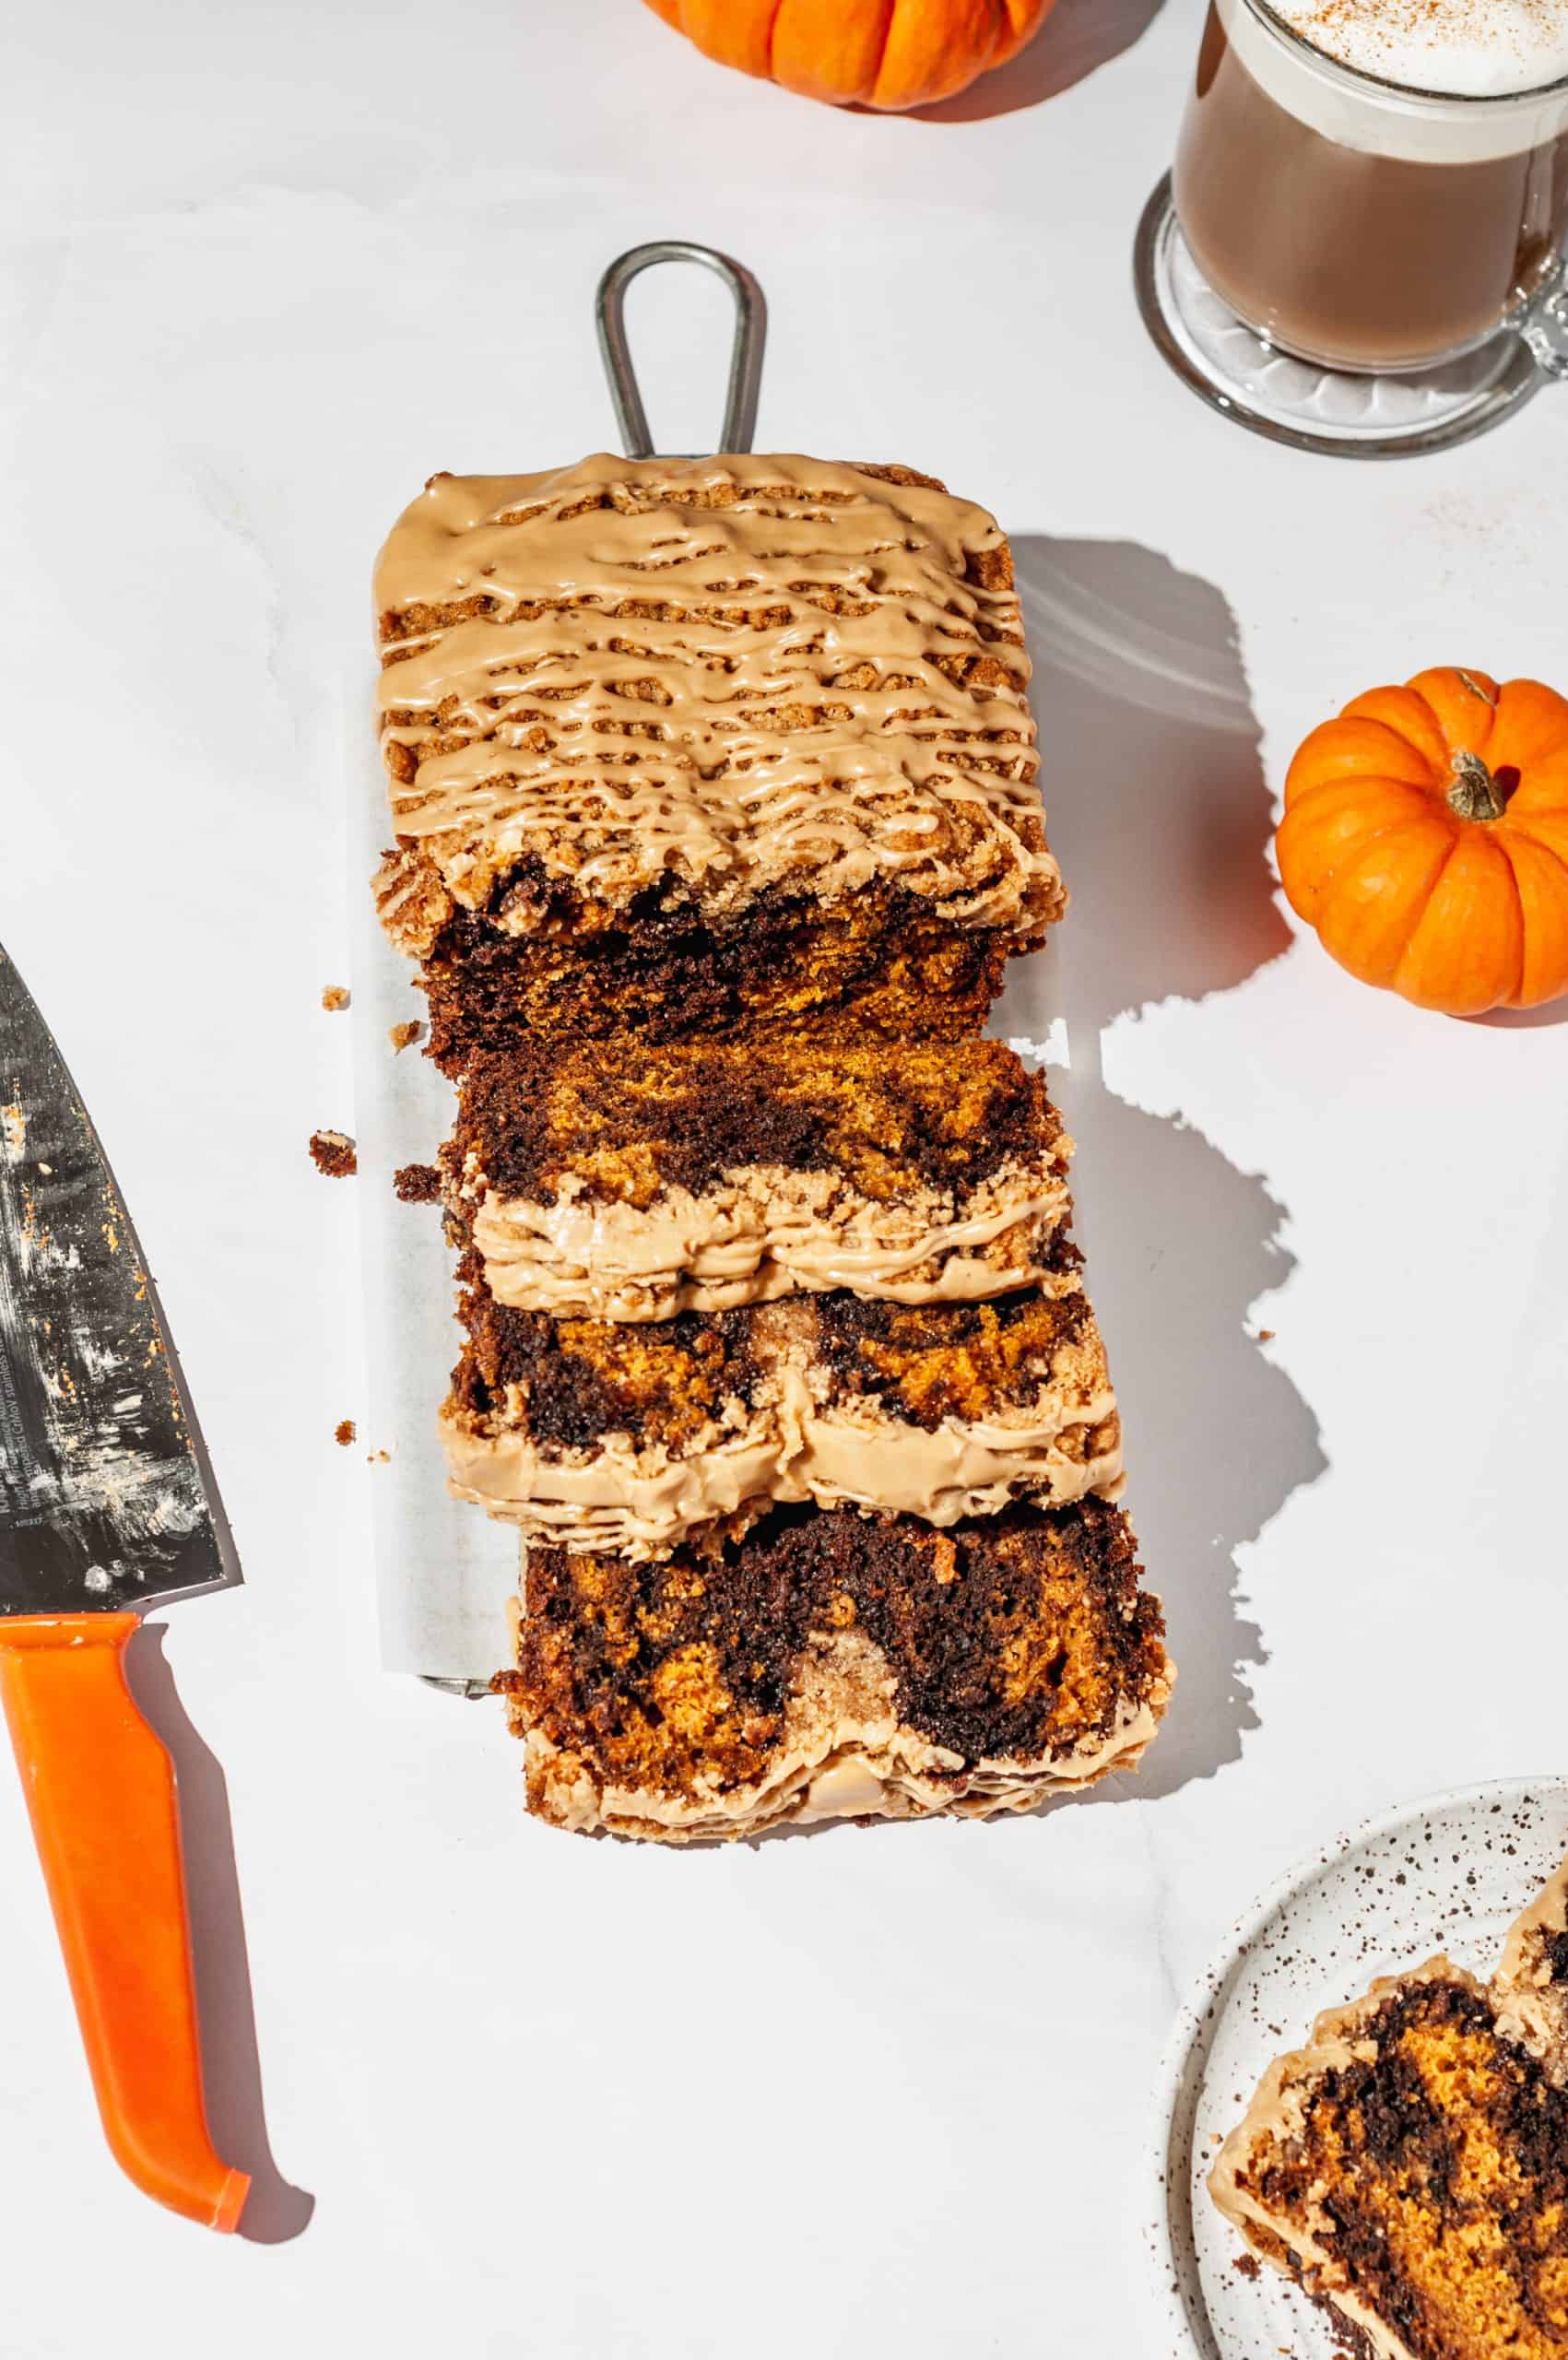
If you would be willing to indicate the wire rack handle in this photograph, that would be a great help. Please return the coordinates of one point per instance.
(745, 353)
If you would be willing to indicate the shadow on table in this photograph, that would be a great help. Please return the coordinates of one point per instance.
(1078, 37)
(1161, 815)
(1525, 1019)
(275, 2211)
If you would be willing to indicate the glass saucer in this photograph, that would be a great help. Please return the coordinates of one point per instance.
(1237, 371)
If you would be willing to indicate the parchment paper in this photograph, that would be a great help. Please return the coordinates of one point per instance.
(443, 1570)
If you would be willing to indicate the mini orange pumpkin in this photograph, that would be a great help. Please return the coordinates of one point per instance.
(887, 54)
(1425, 837)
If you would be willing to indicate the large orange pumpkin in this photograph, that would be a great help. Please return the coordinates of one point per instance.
(888, 54)
(1425, 837)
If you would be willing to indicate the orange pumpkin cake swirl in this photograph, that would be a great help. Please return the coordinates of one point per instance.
(825, 1669)
(638, 1438)
(703, 1175)
(691, 745)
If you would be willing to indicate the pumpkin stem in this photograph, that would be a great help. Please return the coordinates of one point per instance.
(1473, 794)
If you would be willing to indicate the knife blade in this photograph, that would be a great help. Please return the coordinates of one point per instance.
(102, 1501)
(106, 1505)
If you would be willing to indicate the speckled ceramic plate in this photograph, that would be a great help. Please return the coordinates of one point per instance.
(1449, 1874)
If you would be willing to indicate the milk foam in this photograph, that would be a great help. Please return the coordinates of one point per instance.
(1497, 53)
(1477, 49)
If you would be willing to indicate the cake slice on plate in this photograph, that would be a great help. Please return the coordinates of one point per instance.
(827, 1666)
(706, 746)
(1531, 1987)
(600, 1184)
(1409, 2167)
(637, 1436)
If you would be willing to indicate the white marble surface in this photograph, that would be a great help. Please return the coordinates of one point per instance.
(263, 268)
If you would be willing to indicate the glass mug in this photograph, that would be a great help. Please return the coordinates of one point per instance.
(1362, 226)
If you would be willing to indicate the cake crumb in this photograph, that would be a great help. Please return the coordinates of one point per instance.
(334, 997)
(1248, 2265)
(334, 1154)
(378, 1457)
(344, 1432)
(402, 1036)
(418, 1184)
(1266, 1335)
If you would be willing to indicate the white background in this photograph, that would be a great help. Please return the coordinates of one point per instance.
(263, 268)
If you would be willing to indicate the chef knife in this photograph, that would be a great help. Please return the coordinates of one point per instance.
(104, 1510)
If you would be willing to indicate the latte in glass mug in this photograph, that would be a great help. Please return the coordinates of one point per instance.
(1377, 184)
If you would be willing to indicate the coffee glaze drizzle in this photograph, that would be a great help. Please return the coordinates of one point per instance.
(678, 667)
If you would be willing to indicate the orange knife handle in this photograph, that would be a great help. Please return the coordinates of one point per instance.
(100, 1792)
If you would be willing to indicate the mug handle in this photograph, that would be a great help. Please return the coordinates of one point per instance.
(1544, 327)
